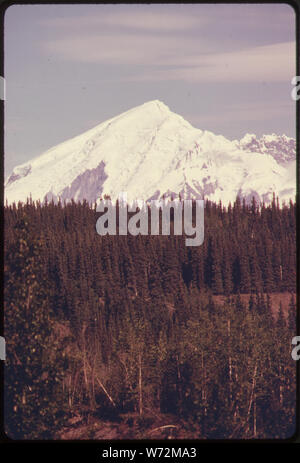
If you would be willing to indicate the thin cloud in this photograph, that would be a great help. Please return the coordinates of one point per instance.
(191, 60)
(162, 21)
(270, 63)
(146, 50)
(158, 45)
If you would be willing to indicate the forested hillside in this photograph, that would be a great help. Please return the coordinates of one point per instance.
(117, 326)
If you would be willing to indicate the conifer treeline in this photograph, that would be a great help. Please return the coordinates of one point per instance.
(245, 249)
(144, 332)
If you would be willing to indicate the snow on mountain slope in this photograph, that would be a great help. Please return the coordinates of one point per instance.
(149, 152)
(281, 147)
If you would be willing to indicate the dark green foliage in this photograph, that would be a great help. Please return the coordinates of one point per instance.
(35, 363)
(147, 332)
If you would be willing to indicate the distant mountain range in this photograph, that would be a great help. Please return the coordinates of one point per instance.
(150, 152)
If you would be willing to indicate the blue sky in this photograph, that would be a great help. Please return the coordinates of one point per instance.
(224, 68)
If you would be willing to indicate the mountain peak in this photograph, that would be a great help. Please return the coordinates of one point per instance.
(152, 106)
(151, 152)
(280, 147)
(157, 103)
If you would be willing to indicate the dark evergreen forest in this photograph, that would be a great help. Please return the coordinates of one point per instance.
(128, 330)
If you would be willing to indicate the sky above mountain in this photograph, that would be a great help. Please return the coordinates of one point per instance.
(224, 68)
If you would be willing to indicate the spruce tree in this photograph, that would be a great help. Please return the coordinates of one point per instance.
(34, 400)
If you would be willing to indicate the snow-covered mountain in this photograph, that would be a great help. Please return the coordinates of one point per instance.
(281, 147)
(148, 152)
